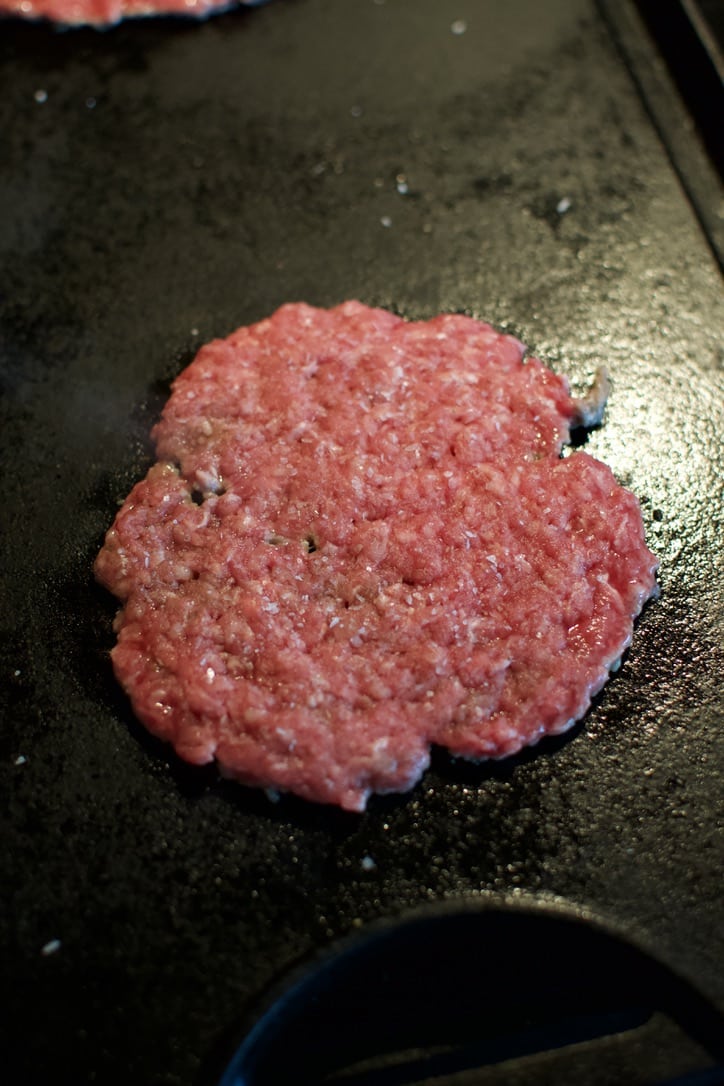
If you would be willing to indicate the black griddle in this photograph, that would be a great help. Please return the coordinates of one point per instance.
(164, 182)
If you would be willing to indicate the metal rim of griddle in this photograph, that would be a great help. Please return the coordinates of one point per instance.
(676, 67)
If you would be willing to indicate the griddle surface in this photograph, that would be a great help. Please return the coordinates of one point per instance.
(163, 183)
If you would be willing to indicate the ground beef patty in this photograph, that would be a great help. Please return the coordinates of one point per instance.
(360, 539)
(108, 12)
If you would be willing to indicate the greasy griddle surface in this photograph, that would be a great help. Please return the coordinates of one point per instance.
(179, 180)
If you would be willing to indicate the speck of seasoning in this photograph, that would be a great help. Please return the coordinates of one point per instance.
(367, 863)
(563, 206)
(17, 673)
(386, 221)
(51, 947)
(459, 27)
(40, 95)
(356, 111)
(194, 331)
(21, 759)
(90, 103)
(401, 184)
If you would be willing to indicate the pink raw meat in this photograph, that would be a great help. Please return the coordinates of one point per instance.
(108, 12)
(360, 539)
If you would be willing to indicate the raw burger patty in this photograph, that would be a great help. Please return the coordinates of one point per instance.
(360, 539)
(109, 12)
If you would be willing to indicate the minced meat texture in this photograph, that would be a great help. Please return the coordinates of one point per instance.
(108, 12)
(360, 539)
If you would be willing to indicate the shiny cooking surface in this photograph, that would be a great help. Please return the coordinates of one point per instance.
(163, 183)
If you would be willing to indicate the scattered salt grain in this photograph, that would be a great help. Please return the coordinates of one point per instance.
(563, 206)
(21, 759)
(356, 111)
(40, 95)
(401, 184)
(90, 103)
(272, 795)
(367, 863)
(459, 27)
(386, 220)
(51, 947)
